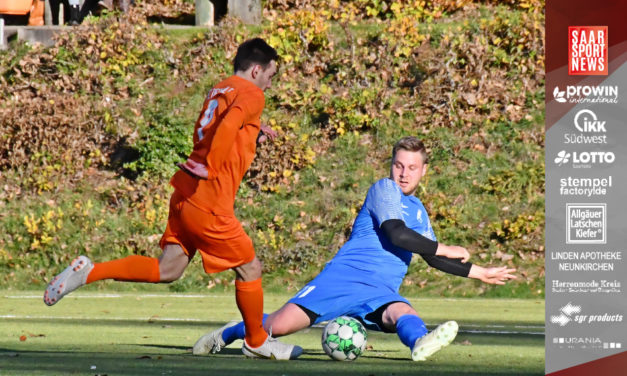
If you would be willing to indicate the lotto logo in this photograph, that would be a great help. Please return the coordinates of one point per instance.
(587, 50)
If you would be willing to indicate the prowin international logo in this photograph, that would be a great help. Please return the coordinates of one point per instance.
(584, 159)
(586, 94)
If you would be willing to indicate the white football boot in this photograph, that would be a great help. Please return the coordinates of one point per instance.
(73, 277)
(212, 342)
(272, 348)
(433, 342)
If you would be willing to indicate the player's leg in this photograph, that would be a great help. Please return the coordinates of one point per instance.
(403, 319)
(249, 298)
(172, 263)
(135, 268)
(167, 268)
(288, 319)
(82, 271)
(413, 333)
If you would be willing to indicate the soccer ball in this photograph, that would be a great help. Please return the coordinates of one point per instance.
(344, 338)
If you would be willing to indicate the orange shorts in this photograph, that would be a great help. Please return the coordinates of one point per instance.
(221, 240)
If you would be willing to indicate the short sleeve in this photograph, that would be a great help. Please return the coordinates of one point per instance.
(384, 201)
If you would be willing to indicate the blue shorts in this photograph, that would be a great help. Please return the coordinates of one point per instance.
(345, 291)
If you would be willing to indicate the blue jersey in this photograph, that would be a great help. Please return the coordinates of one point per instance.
(368, 250)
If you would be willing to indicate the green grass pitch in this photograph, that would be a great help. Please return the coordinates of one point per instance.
(90, 333)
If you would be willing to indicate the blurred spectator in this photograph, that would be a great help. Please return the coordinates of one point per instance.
(75, 10)
(124, 5)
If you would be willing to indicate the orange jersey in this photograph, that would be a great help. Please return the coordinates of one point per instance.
(225, 140)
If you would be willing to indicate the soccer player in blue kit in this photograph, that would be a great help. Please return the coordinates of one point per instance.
(391, 226)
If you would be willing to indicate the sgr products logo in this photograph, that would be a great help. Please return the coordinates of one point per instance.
(586, 94)
(565, 315)
(584, 159)
(573, 313)
(590, 126)
(587, 50)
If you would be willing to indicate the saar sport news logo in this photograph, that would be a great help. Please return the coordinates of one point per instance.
(591, 129)
(587, 50)
(584, 159)
(586, 94)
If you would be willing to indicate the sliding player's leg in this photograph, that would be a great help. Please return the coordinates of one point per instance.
(413, 333)
(287, 320)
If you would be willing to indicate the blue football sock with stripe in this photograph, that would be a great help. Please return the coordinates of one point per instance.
(409, 328)
(237, 331)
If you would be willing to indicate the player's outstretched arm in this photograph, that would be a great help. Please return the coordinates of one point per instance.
(493, 276)
(453, 252)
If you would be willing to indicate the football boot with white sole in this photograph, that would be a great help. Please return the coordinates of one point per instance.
(433, 342)
(73, 277)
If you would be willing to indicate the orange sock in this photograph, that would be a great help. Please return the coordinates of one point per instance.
(249, 298)
(130, 269)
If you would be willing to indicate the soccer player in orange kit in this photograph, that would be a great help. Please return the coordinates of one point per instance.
(201, 214)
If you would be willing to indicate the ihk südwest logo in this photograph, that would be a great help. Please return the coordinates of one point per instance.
(587, 50)
(584, 159)
(591, 129)
(586, 94)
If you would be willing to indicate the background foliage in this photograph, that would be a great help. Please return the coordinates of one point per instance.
(91, 129)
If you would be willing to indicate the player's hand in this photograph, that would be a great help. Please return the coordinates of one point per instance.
(496, 276)
(453, 252)
(197, 170)
(267, 133)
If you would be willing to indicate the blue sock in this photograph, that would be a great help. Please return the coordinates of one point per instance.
(237, 331)
(409, 328)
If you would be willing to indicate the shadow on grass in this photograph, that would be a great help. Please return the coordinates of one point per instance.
(227, 363)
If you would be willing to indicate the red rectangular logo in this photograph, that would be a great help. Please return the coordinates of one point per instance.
(587, 50)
